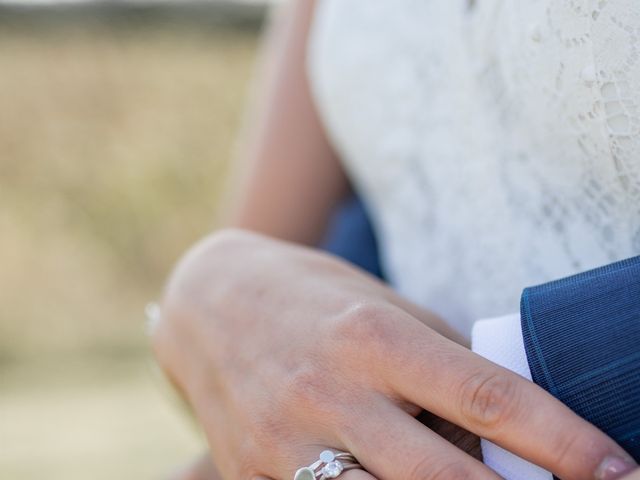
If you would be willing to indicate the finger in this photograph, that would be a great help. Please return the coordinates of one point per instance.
(634, 476)
(464, 440)
(393, 445)
(497, 404)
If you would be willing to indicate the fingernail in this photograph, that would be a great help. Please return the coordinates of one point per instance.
(613, 468)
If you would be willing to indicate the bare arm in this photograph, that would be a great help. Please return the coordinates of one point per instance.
(288, 179)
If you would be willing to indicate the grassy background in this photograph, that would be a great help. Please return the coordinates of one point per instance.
(114, 142)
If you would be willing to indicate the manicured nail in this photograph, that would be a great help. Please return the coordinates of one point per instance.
(613, 468)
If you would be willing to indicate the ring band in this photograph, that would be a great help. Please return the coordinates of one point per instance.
(329, 465)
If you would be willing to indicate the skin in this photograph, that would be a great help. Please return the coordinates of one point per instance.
(283, 351)
(291, 351)
(288, 180)
(204, 469)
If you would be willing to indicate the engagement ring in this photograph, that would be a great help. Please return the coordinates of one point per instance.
(329, 465)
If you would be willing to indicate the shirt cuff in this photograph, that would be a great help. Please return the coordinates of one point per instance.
(500, 341)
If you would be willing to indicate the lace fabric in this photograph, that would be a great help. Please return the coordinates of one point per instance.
(497, 147)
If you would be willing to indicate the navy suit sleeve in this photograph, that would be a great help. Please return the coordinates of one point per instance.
(582, 339)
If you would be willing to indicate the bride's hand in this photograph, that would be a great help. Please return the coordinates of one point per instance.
(283, 352)
(204, 469)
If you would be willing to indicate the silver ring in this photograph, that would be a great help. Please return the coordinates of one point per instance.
(329, 465)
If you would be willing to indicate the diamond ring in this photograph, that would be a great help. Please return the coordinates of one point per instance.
(329, 465)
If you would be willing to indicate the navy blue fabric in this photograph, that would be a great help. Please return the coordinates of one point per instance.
(582, 337)
(351, 236)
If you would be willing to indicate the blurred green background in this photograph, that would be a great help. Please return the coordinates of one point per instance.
(116, 127)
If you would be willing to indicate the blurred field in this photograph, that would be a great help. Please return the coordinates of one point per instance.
(113, 147)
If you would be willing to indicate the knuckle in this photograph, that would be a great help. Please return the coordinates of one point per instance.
(429, 469)
(575, 453)
(366, 327)
(316, 393)
(564, 448)
(308, 389)
(488, 400)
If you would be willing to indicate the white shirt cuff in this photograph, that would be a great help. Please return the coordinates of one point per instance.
(500, 341)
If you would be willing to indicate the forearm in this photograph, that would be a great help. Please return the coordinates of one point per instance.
(287, 180)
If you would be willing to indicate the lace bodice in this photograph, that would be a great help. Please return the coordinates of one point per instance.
(497, 146)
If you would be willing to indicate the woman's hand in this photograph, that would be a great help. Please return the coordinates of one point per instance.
(204, 469)
(283, 352)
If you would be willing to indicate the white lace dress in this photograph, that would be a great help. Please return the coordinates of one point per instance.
(497, 146)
